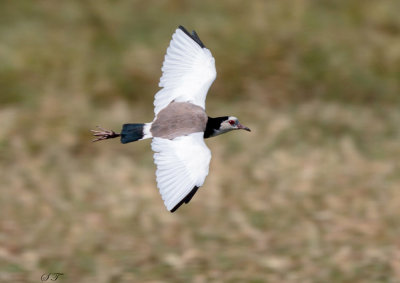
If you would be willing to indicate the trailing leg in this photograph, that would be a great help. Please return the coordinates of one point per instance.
(103, 134)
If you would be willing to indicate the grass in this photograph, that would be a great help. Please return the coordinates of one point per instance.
(310, 195)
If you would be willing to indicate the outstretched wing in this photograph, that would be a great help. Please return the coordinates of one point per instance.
(182, 166)
(188, 71)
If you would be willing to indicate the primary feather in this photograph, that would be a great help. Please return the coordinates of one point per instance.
(188, 72)
(182, 164)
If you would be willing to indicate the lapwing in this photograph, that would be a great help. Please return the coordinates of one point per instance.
(181, 123)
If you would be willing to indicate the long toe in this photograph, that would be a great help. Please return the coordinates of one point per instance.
(103, 134)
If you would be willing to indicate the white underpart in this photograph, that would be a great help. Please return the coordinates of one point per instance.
(182, 164)
(188, 72)
(146, 131)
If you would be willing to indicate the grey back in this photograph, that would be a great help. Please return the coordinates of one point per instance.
(179, 119)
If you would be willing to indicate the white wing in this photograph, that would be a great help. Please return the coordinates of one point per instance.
(188, 71)
(182, 164)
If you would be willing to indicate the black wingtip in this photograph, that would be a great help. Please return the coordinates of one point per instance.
(186, 199)
(193, 36)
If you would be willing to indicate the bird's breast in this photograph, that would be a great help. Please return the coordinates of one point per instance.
(179, 119)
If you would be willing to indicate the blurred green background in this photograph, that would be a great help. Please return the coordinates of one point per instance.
(312, 194)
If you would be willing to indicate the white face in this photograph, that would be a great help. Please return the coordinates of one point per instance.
(230, 124)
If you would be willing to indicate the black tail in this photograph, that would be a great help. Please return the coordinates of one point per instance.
(131, 132)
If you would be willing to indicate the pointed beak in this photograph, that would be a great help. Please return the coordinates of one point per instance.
(240, 126)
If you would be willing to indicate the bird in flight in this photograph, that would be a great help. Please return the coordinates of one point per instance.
(181, 123)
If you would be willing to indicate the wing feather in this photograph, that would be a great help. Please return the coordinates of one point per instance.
(188, 71)
(182, 164)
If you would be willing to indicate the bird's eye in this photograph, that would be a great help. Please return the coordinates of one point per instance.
(232, 122)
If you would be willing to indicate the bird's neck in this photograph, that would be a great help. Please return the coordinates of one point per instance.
(213, 126)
